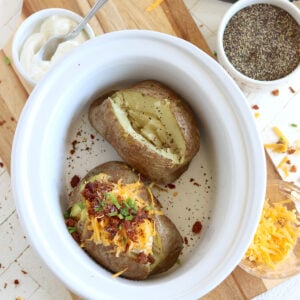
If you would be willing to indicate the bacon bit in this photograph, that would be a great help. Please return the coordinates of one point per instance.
(171, 186)
(74, 181)
(24, 272)
(2, 122)
(291, 150)
(255, 106)
(1, 164)
(74, 143)
(119, 273)
(196, 184)
(192, 179)
(16, 282)
(92, 136)
(185, 240)
(275, 92)
(142, 258)
(292, 90)
(197, 227)
(155, 4)
(293, 169)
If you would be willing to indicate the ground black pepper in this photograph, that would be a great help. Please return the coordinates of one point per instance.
(262, 42)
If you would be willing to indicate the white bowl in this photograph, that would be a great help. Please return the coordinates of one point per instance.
(243, 80)
(32, 25)
(224, 186)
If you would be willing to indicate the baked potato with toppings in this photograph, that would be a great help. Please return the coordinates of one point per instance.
(115, 218)
(150, 127)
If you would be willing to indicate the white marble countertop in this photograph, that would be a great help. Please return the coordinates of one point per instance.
(23, 274)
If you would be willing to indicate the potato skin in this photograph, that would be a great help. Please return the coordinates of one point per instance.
(170, 240)
(137, 154)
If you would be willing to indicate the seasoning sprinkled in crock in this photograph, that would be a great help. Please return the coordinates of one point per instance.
(262, 42)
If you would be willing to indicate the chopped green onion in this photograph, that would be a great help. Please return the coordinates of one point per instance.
(294, 125)
(81, 205)
(67, 214)
(7, 60)
(124, 211)
(113, 214)
(120, 216)
(112, 198)
(129, 218)
(72, 229)
(148, 207)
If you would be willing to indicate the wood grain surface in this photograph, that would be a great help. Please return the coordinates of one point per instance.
(170, 17)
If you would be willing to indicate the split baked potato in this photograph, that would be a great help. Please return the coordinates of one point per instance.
(150, 127)
(114, 216)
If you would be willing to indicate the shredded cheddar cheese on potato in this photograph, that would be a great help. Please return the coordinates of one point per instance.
(145, 229)
(276, 235)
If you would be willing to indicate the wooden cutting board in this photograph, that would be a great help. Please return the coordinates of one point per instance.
(170, 17)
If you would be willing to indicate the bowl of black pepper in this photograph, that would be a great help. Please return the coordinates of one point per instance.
(259, 42)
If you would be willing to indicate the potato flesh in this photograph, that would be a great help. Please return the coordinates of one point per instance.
(150, 121)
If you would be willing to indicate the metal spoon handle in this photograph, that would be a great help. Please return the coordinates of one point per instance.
(80, 26)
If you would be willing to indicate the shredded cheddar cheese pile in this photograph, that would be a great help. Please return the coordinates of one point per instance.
(276, 235)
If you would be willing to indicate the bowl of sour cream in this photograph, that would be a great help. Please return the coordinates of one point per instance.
(35, 31)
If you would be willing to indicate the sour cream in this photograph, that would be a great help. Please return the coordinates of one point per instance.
(54, 25)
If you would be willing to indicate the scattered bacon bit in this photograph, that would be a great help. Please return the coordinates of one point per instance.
(2, 122)
(74, 143)
(16, 282)
(74, 181)
(196, 184)
(185, 240)
(197, 227)
(293, 169)
(192, 179)
(171, 186)
(142, 258)
(291, 150)
(255, 106)
(275, 92)
(92, 136)
(24, 272)
(292, 90)
(1, 164)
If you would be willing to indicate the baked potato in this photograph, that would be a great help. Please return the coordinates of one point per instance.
(150, 127)
(115, 218)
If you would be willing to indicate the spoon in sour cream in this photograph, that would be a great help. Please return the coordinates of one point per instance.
(49, 48)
